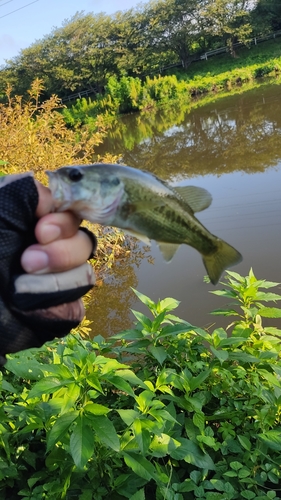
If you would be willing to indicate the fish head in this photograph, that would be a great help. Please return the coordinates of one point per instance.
(91, 192)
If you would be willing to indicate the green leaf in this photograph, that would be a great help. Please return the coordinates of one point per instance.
(195, 382)
(142, 436)
(144, 299)
(159, 353)
(191, 453)
(128, 416)
(236, 465)
(221, 355)
(224, 312)
(245, 442)
(96, 409)
(168, 304)
(121, 384)
(81, 443)
(243, 357)
(269, 284)
(105, 431)
(46, 386)
(173, 330)
(244, 473)
(270, 312)
(236, 276)
(199, 420)
(248, 494)
(272, 439)
(94, 382)
(132, 378)
(231, 341)
(267, 297)
(128, 335)
(224, 293)
(70, 398)
(139, 495)
(270, 377)
(140, 466)
(6, 386)
(144, 320)
(24, 367)
(60, 427)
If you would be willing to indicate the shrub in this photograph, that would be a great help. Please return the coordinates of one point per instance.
(165, 410)
(34, 135)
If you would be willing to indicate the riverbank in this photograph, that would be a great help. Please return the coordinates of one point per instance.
(207, 78)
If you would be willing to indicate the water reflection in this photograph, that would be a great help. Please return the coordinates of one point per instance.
(240, 132)
(230, 147)
(109, 309)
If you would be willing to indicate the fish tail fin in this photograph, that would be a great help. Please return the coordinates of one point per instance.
(225, 256)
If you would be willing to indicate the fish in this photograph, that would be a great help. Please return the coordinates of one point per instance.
(144, 206)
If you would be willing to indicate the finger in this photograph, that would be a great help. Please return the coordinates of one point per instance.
(56, 226)
(57, 256)
(45, 202)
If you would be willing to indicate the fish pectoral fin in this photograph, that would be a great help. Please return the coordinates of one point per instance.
(197, 198)
(168, 250)
(140, 236)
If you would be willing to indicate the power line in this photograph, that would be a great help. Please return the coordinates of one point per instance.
(9, 1)
(20, 8)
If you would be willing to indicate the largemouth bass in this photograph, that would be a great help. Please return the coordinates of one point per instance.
(143, 205)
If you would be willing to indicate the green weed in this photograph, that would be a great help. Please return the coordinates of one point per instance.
(164, 410)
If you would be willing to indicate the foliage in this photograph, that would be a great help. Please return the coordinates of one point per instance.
(34, 135)
(130, 94)
(165, 410)
(88, 49)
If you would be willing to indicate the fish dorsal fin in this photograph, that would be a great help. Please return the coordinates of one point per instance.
(168, 250)
(197, 198)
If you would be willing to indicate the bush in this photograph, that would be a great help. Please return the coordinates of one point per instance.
(34, 135)
(165, 410)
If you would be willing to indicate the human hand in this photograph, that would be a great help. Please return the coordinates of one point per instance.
(43, 303)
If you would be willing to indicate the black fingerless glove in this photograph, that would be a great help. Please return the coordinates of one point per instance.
(23, 296)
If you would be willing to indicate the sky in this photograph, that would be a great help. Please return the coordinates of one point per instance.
(22, 22)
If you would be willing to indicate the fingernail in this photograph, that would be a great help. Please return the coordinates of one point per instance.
(34, 260)
(49, 232)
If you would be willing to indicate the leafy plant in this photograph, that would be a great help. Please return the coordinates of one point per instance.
(34, 136)
(164, 410)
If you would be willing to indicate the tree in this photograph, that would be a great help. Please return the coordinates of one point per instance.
(75, 57)
(176, 28)
(230, 20)
(267, 14)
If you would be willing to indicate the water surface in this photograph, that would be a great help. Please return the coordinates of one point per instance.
(232, 147)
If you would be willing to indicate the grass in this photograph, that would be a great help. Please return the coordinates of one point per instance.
(255, 54)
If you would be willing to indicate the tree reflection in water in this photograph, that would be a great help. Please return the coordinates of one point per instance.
(218, 138)
(109, 308)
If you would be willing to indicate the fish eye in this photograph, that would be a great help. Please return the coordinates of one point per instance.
(75, 175)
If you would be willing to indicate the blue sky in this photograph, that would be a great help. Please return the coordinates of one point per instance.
(21, 28)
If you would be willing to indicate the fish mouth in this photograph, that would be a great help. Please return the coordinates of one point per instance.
(60, 192)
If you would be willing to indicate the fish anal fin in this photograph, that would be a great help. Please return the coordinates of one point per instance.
(196, 197)
(168, 250)
(139, 236)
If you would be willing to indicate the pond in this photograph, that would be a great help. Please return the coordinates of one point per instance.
(231, 147)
